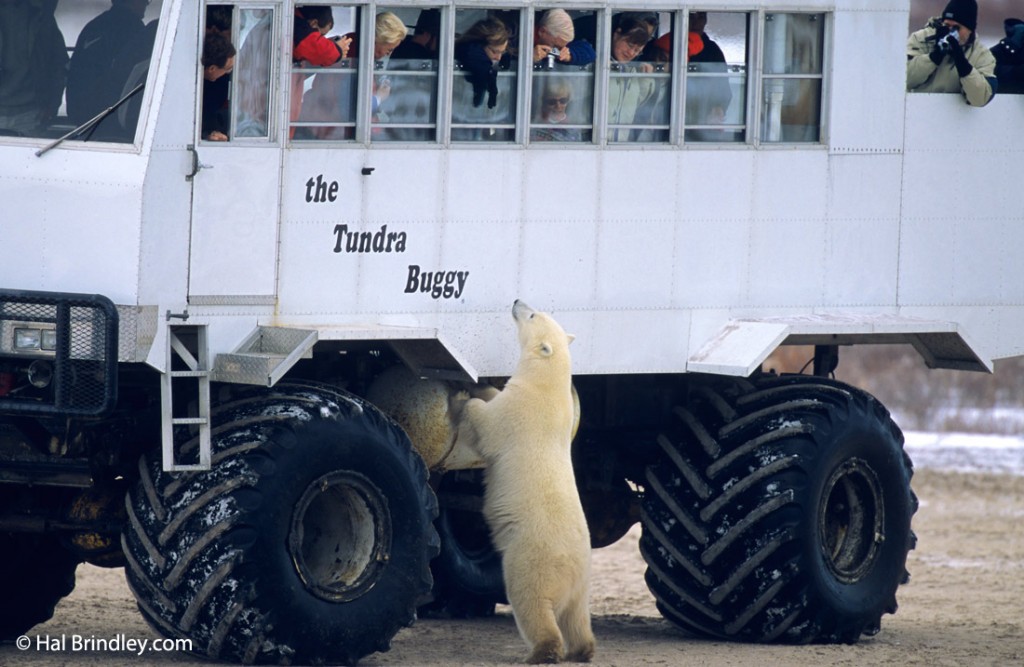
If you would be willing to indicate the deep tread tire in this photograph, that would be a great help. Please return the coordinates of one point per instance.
(468, 579)
(780, 511)
(308, 541)
(36, 572)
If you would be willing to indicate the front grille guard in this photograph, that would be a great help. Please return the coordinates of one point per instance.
(84, 358)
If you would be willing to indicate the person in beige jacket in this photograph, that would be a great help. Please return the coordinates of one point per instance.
(946, 56)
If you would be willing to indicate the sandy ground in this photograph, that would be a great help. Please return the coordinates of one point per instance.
(963, 606)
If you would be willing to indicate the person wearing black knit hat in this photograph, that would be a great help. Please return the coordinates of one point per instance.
(946, 56)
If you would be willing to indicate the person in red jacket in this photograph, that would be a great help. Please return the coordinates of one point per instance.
(311, 47)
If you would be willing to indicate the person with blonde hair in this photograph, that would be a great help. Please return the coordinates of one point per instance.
(388, 33)
(554, 35)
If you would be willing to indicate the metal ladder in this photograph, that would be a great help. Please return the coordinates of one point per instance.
(186, 346)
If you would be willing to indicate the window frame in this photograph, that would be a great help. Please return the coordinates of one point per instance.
(754, 85)
(755, 100)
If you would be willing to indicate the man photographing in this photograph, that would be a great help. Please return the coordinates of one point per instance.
(946, 56)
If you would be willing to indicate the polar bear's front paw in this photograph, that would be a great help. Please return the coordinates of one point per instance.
(457, 401)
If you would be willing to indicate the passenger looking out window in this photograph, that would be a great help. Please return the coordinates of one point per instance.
(33, 59)
(479, 50)
(104, 59)
(554, 40)
(708, 92)
(946, 56)
(218, 60)
(484, 81)
(423, 43)
(311, 48)
(633, 90)
(1009, 55)
(389, 31)
(406, 81)
(553, 122)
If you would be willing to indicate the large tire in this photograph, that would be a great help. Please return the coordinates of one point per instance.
(309, 540)
(779, 512)
(36, 572)
(468, 580)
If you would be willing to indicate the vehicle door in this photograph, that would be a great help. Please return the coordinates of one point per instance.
(235, 182)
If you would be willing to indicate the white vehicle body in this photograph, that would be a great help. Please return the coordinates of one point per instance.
(903, 221)
(867, 215)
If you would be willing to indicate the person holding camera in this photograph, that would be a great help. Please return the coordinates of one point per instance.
(554, 40)
(946, 56)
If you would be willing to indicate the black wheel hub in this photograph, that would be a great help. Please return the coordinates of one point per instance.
(340, 538)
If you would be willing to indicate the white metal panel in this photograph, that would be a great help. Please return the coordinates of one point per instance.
(405, 184)
(715, 184)
(557, 264)
(961, 208)
(637, 185)
(487, 252)
(559, 184)
(305, 168)
(862, 107)
(635, 263)
(483, 185)
(738, 348)
(711, 244)
(234, 223)
(70, 219)
(862, 230)
(787, 229)
(711, 262)
(628, 341)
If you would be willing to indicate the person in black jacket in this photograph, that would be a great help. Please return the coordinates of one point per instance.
(33, 65)
(479, 50)
(423, 43)
(218, 61)
(1009, 54)
(90, 88)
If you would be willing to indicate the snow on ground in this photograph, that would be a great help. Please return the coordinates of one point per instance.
(966, 452)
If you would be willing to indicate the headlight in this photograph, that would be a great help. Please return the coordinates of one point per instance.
(28, 339)
(49, 339)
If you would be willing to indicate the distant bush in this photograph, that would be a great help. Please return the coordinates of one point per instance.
(923, 399)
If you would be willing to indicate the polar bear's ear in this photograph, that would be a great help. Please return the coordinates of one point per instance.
(546, 349)
(571, 338)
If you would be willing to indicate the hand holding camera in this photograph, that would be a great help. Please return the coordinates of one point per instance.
(950, 41)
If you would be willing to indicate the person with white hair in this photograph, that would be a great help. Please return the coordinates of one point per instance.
(554, 35)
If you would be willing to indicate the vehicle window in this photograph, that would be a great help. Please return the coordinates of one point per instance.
(563, 52)
(716, 77)
(639, 81)
(484, 80)
(324, 76)
(404, 103)
(65, 64)
(792, 77)
(253, 73)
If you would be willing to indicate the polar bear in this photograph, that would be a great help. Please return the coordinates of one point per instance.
(523, 434)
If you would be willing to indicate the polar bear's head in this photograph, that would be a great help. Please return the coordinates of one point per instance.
(540, 336)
